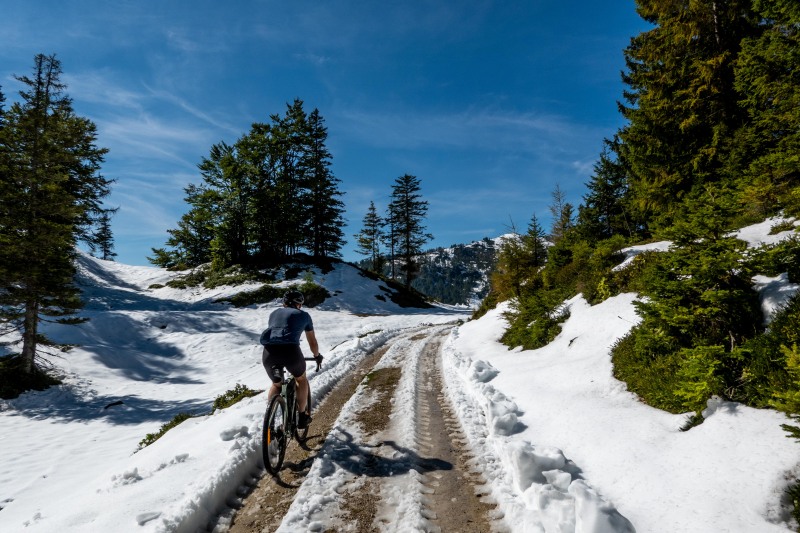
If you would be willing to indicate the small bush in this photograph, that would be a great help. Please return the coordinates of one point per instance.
(780, 227)
(234, 396)
(156, 286)
(192, 279)
(235, 276)
(652, 373)
(150, 438)
(314, 295)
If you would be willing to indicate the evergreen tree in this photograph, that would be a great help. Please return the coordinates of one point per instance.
(562, 212)
(604, 212)
(681, 104)
(264, 198)
(103, 240)
(324, 206)
(227, 196)
(50, 193)
(407, 212)
(370, 237)
(534, 246)
(768, 80)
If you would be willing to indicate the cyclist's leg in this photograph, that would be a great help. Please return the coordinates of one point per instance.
(297, 366)
(274, 367)
(302, 393)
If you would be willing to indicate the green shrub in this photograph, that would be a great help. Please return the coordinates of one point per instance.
(150, 438)
(234, 396)
(226, 399)
(314, 295)
(235, 275)
(192, 279)
(156, 286)
(650, 369)
(780, 227)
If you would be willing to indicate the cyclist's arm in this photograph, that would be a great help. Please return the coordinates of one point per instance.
(312, 342)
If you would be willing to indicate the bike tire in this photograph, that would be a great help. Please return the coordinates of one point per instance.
(274, 437)
(301, 434)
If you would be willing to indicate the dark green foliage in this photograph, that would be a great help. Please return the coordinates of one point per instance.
(768, 84)
(793, 494)
(649, 368)
(680, 104)
(314, 295)
(233, 396)
(779, 258)
(263, 199)
(50, 198)
(14, 380)
(535, 319)
(406, 216)
(102, 242)
(370, 237)
(150, 438)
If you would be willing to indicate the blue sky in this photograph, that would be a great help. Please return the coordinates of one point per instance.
(490, 103)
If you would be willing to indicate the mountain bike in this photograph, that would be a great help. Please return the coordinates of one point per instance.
(280, 422)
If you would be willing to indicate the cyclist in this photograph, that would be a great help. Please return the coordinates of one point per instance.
(281, 341)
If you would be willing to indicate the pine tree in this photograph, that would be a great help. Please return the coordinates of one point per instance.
(768, 80)
(369, 238)
(324, 206)
(50, 193)
(604, 212)
(103, 240)
(681, 104)
(407, 212)
(562, 212)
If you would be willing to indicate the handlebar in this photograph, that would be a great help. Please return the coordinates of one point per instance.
(318, 359)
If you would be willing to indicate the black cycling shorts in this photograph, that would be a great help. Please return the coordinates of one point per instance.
(276, 357)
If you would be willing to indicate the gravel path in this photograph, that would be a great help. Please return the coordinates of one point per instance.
(398, 456)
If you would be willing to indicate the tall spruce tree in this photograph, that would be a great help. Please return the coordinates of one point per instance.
(324, 207)
(50, 193)
(369, 239)
(681, 104)
(768, 80)
(604, 212)
(406, 215)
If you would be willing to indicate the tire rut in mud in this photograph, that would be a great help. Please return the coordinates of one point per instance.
(456, 498)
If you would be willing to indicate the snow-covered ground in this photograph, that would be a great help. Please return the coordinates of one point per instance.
(564, 446)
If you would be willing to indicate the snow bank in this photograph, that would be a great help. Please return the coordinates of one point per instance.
(586, 455)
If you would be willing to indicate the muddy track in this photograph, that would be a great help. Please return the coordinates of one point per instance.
(400, 448)
(264, 503)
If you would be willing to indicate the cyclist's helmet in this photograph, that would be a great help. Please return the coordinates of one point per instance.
(293, 298)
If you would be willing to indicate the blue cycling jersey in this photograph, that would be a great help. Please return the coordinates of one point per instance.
(286, 325)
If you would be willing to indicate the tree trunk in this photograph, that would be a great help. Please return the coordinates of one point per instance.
(29, 335)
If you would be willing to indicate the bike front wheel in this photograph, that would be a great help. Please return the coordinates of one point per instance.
(275, 437)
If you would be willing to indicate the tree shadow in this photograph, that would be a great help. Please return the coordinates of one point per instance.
(72, 403)
(383, 459)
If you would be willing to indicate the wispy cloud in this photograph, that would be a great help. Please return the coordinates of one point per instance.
(481, 129)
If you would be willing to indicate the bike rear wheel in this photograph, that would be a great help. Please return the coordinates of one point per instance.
(301, 434)
(275, 437)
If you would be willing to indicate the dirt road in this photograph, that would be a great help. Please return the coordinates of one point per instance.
(393, 459)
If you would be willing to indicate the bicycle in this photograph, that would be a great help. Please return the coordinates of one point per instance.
(280, 422)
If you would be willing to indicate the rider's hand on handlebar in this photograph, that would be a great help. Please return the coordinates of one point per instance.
(318, 358)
